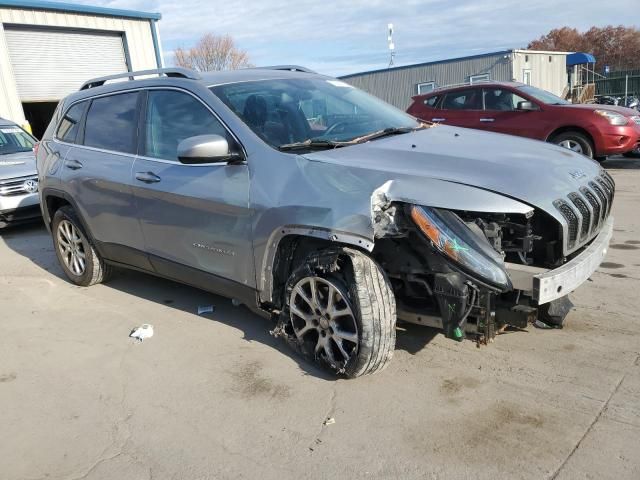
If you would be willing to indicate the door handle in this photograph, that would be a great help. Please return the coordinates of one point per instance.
(487, 119)
(438, 119)
(147, 177)
(73, 164)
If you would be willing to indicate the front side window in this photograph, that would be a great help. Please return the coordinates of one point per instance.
(294, 110)
(15, 140)
(172, 117)
(70, 123)
(111, 123)
(470, 99)
(501, 99)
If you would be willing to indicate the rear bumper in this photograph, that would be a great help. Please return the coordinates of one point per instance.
(545, 286)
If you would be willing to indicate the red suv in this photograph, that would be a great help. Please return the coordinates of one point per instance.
(519, 109)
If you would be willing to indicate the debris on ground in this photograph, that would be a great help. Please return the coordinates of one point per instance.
(142, 332)
(202, 309)
(541, 324)
(329, 421)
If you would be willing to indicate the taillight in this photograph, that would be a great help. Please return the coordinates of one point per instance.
(35, 148)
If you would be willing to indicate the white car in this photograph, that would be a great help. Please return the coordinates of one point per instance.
(18, 175)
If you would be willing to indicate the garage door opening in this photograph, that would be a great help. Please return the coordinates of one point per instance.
(39, 114)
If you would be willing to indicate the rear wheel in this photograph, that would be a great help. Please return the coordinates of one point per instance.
(574, 141)
(343, 319)
(78, 258)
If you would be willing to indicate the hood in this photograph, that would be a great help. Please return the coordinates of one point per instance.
(17, 165)
(627, 112)
(533, 172)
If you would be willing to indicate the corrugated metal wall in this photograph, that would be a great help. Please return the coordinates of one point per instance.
(548, 75)
(137, 33)
(397, 85)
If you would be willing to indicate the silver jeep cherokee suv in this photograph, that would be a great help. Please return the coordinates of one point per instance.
(18, 176)
(320, 206)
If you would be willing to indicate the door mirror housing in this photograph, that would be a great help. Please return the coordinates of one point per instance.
(527, 106)
(206, 149)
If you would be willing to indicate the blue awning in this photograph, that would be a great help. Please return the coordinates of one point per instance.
(579, 58)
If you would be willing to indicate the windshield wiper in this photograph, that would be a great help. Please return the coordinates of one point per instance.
(388, 132)
(312, 144)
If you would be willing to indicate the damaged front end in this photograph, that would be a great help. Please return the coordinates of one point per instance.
(466, 272)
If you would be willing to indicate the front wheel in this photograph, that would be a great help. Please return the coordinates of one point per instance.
(343, 318)
(574, 141)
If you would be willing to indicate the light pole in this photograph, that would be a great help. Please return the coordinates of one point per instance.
(392, 47)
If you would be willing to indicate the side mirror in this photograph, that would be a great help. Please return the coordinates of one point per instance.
(206, 149)
(527, 106)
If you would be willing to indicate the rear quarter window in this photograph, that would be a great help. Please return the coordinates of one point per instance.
(70, 123)
(431, 101)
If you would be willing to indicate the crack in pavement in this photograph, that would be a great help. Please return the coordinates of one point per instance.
(595, 420)
(329, 412)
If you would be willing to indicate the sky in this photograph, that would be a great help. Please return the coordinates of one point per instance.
(338, 37)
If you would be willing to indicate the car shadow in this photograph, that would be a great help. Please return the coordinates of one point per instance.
(33, 242)
(621, 163)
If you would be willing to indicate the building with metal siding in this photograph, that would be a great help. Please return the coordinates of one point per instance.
(47, 50)
(397, 85)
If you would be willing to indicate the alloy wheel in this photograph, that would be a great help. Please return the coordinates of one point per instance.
(71, 247)
(571, 145)
(322, 318)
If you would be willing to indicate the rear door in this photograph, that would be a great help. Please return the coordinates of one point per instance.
(462, 108)
(97, 174)
(501, 114)
(194, 216)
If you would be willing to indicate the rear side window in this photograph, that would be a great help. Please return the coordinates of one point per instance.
(111, 123)
(470, 99)
(70, 123)
(431, 101)
(172, 117)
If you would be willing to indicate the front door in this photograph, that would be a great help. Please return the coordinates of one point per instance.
(194, 218)
(501, 114)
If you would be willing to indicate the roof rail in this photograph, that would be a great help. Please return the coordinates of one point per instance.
(291, 68)
(167, 72)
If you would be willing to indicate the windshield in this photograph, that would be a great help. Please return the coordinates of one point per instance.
(286, 112)
(543, 96)
(15, 140)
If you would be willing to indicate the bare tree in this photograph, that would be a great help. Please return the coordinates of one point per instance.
(212, 52)
(615, 46)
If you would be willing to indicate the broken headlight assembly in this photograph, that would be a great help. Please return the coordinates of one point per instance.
(453, 239)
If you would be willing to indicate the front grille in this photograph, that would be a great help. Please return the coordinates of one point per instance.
(584, 211)
(603, 198)
(636, 119)
(15, 186)
(572, 220)
(587, 210)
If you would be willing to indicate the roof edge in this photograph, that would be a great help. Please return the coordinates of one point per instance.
(76, 8)
(424, 64)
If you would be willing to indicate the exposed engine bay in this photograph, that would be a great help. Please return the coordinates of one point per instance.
(446, 268)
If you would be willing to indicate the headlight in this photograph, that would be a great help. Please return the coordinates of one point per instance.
(454, 240)
(614, 118)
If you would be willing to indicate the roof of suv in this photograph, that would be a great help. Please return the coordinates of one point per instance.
(4, 122)
(469, 85)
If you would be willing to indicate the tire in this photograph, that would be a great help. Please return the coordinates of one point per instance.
(575, 141)
(365, 334)
(635, 153)
(77, 256)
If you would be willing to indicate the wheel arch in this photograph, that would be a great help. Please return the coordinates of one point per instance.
(289, 245)
(574, 128)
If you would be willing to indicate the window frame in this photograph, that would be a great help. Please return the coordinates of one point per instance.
(87, 102)
(433, 87)
(136, 123)
(142, 91)
(473, 79)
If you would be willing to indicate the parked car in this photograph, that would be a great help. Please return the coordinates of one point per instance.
(18, 176)
(319, 206)
(518, 109)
